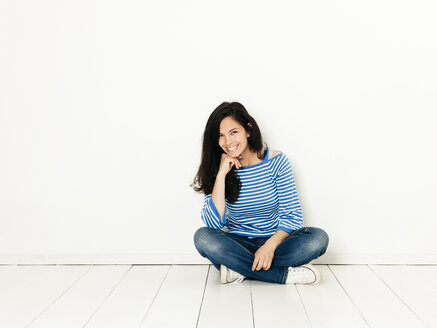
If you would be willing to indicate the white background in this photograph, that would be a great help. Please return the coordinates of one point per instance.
(103, 106)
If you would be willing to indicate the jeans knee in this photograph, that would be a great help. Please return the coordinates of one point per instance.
(323, 239)
(204, 241)
(320, 241)
(199, 237)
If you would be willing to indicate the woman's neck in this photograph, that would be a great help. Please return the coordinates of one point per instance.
(252, 159)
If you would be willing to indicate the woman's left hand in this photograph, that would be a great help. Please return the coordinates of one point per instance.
(264, 257)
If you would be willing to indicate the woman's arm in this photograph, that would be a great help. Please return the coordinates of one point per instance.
(218, 194)
(290, 209)
(214, 210)
(214, 207)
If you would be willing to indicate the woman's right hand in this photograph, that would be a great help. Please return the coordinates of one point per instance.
(227, 162)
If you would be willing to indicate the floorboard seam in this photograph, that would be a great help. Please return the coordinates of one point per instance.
(156, 294)
(350, 298)
(57, 298)
(251, 304)
(303, 304)
(107, 296)
(203, 295)
(382, 280)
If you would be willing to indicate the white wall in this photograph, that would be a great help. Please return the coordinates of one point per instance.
(103, 106)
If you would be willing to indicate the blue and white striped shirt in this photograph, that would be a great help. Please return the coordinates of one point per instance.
(268, 201)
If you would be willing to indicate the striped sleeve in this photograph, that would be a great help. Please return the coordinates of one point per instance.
(210, 215)
(290, 210)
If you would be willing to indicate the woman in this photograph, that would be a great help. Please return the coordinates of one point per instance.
(254, 225)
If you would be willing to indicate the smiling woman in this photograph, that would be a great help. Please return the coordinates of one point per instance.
(228, 125)
(253, 217)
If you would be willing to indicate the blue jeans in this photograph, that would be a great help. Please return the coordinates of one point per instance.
(237, 252)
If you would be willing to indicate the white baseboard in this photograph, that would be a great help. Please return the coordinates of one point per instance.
(327, 258)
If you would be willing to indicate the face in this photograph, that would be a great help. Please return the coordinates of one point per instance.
(233, 138)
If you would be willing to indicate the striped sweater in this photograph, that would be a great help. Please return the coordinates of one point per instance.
(268, 201)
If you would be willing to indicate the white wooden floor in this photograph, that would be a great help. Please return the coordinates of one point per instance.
(192, 296)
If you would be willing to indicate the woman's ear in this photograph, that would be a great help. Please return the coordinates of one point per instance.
(248, 134)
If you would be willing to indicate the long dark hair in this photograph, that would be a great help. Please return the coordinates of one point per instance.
(212, 152)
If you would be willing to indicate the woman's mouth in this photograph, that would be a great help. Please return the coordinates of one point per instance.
(232, 149)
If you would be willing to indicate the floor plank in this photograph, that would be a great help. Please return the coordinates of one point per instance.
(192, 296)
(415, 285)
(376, 302)
(15, 283)
(129, 302)
(277, 305)
(178, 300)
(327, 305)
(18, 278)
(225, 305)
(20, 306)
(79, 303)
(6, 268)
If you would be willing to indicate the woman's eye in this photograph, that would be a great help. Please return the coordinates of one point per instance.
(221, 135)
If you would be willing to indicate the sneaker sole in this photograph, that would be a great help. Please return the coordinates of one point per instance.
(316, 272)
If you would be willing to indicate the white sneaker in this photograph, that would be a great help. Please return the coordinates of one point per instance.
(304, 274)
(228, 275)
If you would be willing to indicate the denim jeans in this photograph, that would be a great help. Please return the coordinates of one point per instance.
(237, 252)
